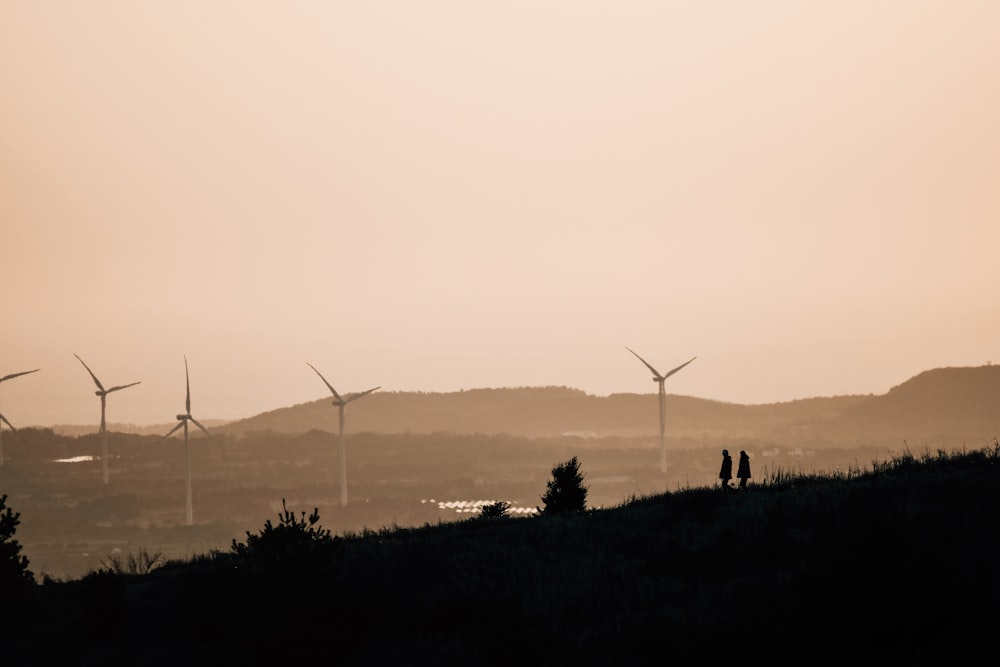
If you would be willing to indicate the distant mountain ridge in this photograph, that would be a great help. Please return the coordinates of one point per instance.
(952, 403)
(952, 400)
(147, 429)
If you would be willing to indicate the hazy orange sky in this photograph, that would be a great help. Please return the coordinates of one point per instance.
(448, 195)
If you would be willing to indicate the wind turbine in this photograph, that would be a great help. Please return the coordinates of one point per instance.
(3, 420)
(659, 379)
(183, 423)
(103, 393)
(340, 402)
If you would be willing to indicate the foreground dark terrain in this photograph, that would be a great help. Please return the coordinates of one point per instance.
(893, 565)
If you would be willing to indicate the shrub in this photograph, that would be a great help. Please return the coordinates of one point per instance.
(497, 510)
(133, 564)
(14, 572)
(565, 492)
(292, 541)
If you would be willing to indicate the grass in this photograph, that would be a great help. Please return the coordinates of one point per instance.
(893, 564)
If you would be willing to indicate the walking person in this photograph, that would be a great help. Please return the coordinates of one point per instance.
(726, 472)
(743, 471)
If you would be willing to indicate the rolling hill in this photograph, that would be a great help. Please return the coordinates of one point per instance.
(958, 404)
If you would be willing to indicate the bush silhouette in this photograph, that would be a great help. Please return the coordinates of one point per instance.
(293, 540)
(565, 492)
(133, 564)
(497, 510)
(14, 572)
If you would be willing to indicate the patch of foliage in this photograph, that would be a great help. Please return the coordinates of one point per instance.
(14, 572)
(497, 510)
(565, 493)
(292, 541)
(133, 564)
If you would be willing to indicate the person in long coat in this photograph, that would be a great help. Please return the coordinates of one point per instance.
(743, 472)
(726, 472)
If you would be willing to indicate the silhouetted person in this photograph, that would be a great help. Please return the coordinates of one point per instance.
(743, 472)
(726, 472)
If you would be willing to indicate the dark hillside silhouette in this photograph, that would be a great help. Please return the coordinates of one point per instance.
(891, 566)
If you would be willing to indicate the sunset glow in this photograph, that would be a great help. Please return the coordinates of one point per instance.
(449, 195)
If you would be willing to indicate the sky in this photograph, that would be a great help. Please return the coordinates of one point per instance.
(449, 194)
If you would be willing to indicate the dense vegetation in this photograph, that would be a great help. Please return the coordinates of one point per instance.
(893, 564)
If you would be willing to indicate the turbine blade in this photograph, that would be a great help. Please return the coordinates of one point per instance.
(14, 375)
(669, 373)
(4, 420)
(96, 381)
(655, 372)
(354, 397)
(335, 394)
(172, 431)
(123, 386)
(198, 424)
(187, 383)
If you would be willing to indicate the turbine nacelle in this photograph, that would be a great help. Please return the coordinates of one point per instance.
(183, 417)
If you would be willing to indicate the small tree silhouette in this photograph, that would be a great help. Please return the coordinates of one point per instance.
(496, 510)
(14, 572)
(296, 541)
(565, 492)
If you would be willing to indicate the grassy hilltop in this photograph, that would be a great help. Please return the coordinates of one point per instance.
(895, 565)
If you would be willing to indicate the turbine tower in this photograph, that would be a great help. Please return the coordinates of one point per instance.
(103, 394)
(183, 423)
(659, 379)
(340, 402)
(3, 420)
